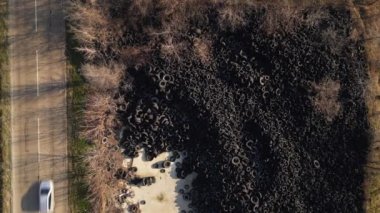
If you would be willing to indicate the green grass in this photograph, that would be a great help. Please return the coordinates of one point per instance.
(78, 187)
(5, 158)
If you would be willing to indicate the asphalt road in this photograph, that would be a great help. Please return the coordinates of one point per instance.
(39, 121)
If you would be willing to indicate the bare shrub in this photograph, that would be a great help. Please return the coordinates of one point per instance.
(172, 48)
(326, 99)
(100, 110)
(202, 49)
(84, 19)
(102, 165)
(175, 18)
(103, 77)
(232, 16)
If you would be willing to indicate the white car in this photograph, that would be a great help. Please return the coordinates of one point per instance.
(46, 195)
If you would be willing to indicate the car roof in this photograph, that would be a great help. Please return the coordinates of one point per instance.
(44, 202)
(44, 198)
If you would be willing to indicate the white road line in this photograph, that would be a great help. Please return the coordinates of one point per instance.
(37, 82)
(38, 138)
(35, 13)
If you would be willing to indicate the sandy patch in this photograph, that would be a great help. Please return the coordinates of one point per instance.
(165, 195)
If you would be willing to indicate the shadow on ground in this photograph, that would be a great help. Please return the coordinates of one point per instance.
(29, 201)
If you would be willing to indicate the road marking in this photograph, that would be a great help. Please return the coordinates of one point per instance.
(35, 13)
(38, 138)
(38, 86)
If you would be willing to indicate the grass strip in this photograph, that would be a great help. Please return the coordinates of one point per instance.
(78, 187)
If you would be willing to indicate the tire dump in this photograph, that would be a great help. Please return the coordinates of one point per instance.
(270, 121)
(249, 121)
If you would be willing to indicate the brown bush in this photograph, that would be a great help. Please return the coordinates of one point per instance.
(202, 49)
(232, 17)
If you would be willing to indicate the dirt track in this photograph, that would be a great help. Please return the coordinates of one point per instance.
(39, 144)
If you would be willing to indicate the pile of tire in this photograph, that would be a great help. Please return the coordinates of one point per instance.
(247, 120)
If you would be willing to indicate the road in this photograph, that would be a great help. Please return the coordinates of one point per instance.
(38, 102)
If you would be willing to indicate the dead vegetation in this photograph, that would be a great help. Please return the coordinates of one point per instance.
(203, 49)
(103, 77)
(105, 157)
(102, 165)
(98, 116)
(233, 16)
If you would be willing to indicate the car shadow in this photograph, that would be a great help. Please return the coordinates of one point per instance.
(29, 202)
